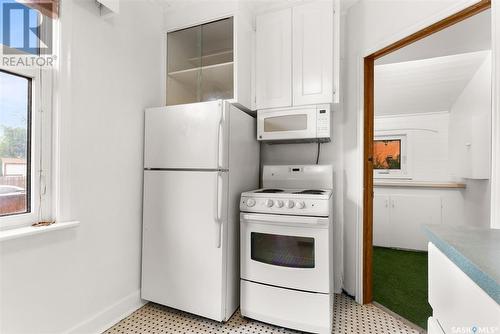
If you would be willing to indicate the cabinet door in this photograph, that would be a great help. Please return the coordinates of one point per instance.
(408, 213)
(183, 66)
(381, 227)
(313, 53)
(274, 59)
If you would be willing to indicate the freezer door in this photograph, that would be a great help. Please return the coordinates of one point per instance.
(186, 136)
(183, 258)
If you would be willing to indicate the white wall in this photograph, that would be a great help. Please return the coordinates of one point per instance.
(371, 25)
(470, 127)
(427, 143)
(477, 203)
(81, 280)
(470, 123)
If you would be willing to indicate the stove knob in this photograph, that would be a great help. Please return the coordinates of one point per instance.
(250, 202)
(269, 203)
(301, 205)
(289, 204)
(279, 203)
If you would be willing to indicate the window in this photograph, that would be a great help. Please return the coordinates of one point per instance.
(15, 143)
(25, 117)
(390, 156)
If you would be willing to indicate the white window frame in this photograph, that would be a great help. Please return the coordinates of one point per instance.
(41, 207)
(404, 172)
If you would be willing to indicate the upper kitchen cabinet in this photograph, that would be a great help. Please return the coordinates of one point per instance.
(274, 59)
(297, 56)
(209, 56)
(312, 65)
(200, 63)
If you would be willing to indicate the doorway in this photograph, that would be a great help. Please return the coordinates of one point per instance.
(389, 163)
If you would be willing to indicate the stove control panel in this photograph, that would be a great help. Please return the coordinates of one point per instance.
(313, 207)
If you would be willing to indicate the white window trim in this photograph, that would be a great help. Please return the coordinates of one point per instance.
(41, 143)
(404, 172)
(42, 103)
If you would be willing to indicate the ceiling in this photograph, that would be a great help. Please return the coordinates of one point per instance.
(257, 6)
(427, 85)
(472, 34)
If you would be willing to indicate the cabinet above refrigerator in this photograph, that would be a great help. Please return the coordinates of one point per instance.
(210, 58)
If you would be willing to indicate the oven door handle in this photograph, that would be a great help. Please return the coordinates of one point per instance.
(286, 220)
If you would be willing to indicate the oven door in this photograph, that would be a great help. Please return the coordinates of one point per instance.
(286, 251)
(286, 124)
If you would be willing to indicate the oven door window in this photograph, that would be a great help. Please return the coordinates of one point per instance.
(285, 123)
(282, 250)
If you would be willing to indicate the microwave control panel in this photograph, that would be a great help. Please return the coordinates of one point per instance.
(323, 123)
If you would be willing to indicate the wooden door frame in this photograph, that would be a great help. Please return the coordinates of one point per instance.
(368, 128)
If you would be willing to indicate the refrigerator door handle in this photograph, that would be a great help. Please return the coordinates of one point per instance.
(220, 138)
(218, 212)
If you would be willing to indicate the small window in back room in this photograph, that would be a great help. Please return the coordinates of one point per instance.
(15, 142)
(390, 156)
(387, 154)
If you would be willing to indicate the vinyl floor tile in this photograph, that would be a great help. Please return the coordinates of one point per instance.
(348, 318)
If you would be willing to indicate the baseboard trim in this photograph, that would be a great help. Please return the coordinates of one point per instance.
(103, 320)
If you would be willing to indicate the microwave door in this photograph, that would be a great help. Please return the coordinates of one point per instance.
(286, 125)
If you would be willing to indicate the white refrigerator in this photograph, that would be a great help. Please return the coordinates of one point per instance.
(198, 158)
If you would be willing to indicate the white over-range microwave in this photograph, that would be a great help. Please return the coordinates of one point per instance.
(297, 124)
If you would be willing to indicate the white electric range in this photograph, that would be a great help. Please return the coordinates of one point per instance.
(286, 248)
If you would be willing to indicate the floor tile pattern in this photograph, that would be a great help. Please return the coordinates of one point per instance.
(349, 318)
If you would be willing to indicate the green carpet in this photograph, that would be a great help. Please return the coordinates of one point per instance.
(400, 283)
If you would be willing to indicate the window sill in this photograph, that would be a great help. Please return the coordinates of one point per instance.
(25, 231)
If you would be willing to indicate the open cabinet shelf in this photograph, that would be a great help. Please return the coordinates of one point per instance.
(200, 63)
(218, 57)
(198, 69)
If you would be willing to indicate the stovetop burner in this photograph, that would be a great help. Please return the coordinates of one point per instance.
(310, 192)
(269, 191)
